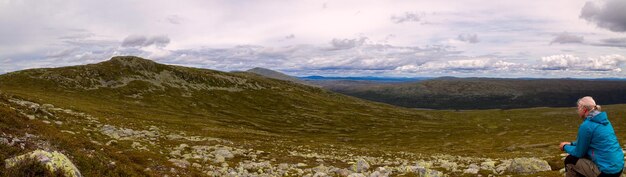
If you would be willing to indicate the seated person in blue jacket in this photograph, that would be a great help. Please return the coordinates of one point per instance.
(596, 151)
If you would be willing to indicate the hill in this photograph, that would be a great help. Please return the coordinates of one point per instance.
(486, 93)
(275, 75)
(130, 116)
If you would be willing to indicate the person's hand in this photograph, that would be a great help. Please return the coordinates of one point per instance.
(563, 145)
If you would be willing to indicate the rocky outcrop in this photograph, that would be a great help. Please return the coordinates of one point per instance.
(53, 161)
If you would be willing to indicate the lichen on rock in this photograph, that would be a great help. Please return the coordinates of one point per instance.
(53, 161)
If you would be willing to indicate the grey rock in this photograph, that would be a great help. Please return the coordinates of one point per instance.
(356, 175)
(224, 152)
(4, 141)
(528, 166)
(180, 163)
(472, 169)
(360, 166)
(219, 158)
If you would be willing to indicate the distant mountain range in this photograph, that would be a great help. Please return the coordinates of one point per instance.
(365, 78)
(475, 93)
(486, 93)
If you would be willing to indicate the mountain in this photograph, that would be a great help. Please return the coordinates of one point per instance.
(486, 93)
(364, 78)
(130, 116)
(275, 75)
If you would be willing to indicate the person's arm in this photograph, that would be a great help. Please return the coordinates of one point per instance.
(580, 147)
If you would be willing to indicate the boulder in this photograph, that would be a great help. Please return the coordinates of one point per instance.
(53, 161)
(528, 166)
(360, 166)
(180, 163)
(224, 152)
(472, 169)
(422, 171)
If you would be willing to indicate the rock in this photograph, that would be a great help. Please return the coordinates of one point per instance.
(180, 163)
(320, 174)
(283, 166)
(111, 142)
(224, 153)
(53, 161)
(219, 159)
(342, 172)
(528, 166)
(472, 169)
(47, 106)
(356, 175)
(360, 166)
(138, 146)
(4, 141)
(196, 165)
(46, 122)
(182, 146)
(450, 166)
(503, 166)
(421, 171)
(321, 168)
(301, 165)
(488, 165)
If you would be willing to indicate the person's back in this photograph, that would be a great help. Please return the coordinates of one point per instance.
(596, 150)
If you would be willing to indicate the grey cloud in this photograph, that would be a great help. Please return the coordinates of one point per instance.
(610, 15)
(291, 36)
(565, 37)
(144, 41)
(174, 19)
(407, 17)
(341, 44)
(613, 42)
(60, 53)
(470, 38)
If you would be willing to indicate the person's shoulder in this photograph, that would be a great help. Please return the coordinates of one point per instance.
(588, 124)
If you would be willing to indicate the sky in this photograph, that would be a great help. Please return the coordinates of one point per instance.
(413, 38)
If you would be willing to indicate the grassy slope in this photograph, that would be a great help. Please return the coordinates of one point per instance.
(287, 116)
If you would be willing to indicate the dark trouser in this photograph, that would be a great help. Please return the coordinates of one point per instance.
(575, 166)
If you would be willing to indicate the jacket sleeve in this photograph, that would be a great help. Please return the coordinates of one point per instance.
(582, 142)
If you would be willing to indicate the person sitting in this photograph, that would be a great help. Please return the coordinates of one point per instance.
(596, 151)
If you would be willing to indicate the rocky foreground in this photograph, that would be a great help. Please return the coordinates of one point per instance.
(211, 156)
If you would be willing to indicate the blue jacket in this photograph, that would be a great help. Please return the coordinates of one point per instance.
(596, 140)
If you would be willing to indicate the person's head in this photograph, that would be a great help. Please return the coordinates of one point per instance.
(586, 105)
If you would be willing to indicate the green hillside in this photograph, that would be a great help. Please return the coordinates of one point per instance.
(133, 117)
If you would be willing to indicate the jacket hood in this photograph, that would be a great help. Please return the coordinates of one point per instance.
(600, 118)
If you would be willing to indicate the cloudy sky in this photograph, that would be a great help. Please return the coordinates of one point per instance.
(463, 38)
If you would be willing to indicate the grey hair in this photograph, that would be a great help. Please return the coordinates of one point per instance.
(588, 103)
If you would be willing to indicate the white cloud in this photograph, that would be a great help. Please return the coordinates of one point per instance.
(462, 65)
(569, 62)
